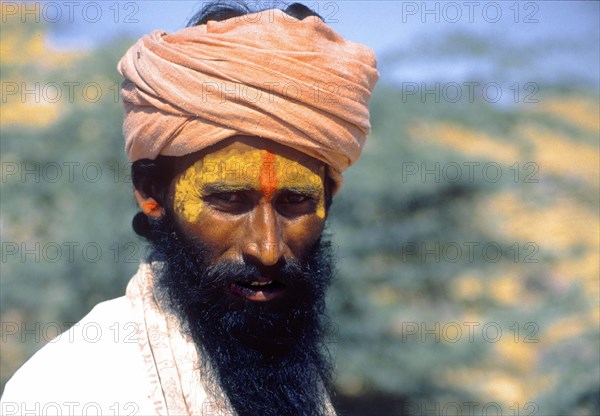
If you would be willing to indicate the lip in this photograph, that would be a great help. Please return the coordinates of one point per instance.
(261, 290)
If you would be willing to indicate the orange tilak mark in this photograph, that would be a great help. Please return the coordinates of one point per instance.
(267, 177)
(149, 207)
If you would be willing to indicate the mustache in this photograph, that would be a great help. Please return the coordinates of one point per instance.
(207, 288)
(286, 272)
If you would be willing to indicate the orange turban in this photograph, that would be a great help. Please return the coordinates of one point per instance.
(265, 74)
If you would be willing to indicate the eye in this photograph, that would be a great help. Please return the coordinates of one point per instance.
(230, 197)
(294, 204)
(232, 202)
(294, 198)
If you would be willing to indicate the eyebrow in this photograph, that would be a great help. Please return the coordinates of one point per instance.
(216, 187)
(307, 190)
(225, 187)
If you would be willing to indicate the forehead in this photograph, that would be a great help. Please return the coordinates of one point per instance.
(244, 158)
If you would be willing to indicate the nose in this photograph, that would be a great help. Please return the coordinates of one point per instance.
(265, 244)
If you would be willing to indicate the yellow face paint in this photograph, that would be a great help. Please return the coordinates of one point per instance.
(251, 168)
(187, 199)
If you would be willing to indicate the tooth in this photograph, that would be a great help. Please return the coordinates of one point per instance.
(261, 283)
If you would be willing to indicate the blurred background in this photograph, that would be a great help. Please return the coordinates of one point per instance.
(467, 235)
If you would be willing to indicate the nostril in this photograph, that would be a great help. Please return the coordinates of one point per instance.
(273, 270)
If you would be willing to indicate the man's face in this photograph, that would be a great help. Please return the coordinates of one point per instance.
(244, 266)
(254, 201)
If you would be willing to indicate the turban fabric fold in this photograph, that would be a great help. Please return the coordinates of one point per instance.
(266, 74)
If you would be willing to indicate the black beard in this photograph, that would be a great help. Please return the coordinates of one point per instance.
(268, 357)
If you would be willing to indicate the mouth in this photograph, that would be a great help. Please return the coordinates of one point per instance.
(262, 290)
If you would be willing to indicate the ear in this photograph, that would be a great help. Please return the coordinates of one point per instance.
(148, 205)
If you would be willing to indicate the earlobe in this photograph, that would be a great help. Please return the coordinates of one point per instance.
(148, 205)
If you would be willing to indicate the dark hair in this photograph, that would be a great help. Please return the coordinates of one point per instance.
(153, 177)
(222, 10)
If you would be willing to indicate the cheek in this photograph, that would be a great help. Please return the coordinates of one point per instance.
(222, 237)
(303, 233)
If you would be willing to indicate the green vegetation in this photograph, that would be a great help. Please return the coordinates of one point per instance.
(421, 291)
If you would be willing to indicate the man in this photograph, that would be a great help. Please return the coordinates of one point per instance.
(238, 128)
